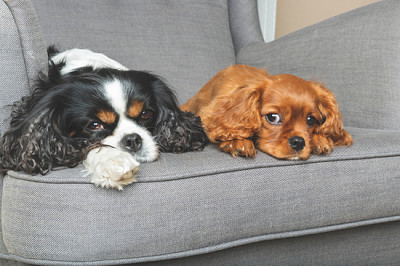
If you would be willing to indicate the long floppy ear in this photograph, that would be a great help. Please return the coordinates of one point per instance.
(33, 143)
(234, 116)
(176, 131)
(332, 125)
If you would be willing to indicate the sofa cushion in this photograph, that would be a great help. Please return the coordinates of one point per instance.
(186, 42)
(198, 202)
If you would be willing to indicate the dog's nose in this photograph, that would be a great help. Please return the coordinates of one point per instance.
(132, 142)
(297, 143)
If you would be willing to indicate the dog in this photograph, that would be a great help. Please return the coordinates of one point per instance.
(91, 109)
(244, 107)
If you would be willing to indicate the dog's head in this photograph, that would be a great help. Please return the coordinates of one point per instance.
(292, 111)
(68, 114)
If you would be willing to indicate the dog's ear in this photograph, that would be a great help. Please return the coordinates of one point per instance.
(33, 143)
(331, 124)
(235, 116)
(175, 131)
(180, 132)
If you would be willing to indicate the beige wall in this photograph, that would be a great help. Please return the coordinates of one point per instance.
(292, 15)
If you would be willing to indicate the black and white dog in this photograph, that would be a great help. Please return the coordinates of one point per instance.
(91, 109)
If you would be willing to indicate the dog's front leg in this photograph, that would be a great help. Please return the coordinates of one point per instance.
(109, 167)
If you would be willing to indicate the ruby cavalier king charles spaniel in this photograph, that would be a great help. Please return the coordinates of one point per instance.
(244, 107)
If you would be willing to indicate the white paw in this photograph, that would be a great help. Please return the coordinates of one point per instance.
(109, 167)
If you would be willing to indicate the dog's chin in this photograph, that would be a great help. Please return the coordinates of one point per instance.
(146, 157)
(298, 156)
(295, 157)
(148, 152)
(286, 154)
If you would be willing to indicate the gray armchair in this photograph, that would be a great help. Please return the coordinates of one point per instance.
(207, 208)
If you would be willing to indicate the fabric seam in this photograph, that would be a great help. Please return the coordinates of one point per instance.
(217, 247)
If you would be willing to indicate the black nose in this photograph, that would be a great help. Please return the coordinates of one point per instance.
(297, 143)
(132, 142)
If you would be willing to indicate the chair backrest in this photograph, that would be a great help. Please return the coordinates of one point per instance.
(185, 41)
(244, 22)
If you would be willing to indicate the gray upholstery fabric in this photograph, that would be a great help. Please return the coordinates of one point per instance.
(356, 55)
(3, 249)
(206, 207)
(245, 26)
(373, 244)
(186, 42)
(22, 53)
(202, 202)
(13, 70)
(13, 65)
(368, 245)
(30, 37)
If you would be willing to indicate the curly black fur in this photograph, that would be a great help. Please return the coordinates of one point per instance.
(180, 133)
(34, 143)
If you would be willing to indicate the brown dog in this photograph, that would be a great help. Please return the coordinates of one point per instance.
(283, 115)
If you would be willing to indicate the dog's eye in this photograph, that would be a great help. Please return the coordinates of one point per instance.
(274, 119)
(146, 114)
(95, 126)
(311, 120)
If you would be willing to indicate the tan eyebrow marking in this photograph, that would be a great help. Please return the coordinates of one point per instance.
(135, 109)
(107, 117)
(71, 134)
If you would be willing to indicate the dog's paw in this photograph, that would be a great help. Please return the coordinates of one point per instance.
(344, 139)
(321, 144)
(238, 147)
(111, 168)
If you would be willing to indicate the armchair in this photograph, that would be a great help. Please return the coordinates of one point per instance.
(207, 208)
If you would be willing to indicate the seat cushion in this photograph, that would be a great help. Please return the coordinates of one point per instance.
(186, 42)
(198, 202)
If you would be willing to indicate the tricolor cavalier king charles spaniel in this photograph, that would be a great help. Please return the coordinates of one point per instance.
(91, 109)
(244, 107)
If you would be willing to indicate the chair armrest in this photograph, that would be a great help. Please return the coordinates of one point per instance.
(356, 55)
(22, 54)
(30, 35)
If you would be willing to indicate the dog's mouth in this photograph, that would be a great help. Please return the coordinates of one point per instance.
(297, 150)
(293, 156)
(142, 152)
(300, 155)
(145, 157)
(297, 158)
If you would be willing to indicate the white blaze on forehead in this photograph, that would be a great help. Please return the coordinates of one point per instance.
(115, 95)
